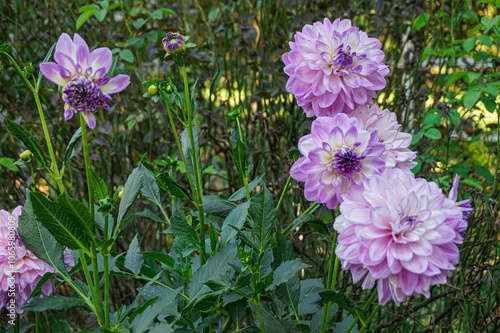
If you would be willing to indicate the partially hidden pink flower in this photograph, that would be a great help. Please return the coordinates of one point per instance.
(396, 154)
(464, 206)
(27, 268)
(399, 232)
(82, 76)
(337, 154)
(334, 67)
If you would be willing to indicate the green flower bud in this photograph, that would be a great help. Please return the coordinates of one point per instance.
(26, 155)
(153, 90)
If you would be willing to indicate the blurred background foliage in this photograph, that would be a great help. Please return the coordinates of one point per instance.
(443, 86)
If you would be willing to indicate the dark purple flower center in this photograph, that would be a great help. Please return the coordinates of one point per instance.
(345, 162)
(409, 220)
(82, 94)
(342, 60)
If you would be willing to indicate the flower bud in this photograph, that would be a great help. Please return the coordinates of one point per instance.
(153, 90)
(174, 43)
(26, 155)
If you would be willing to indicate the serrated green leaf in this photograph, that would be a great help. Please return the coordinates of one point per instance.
(241, 193)
(186, 239)
(150, 216)
(161, 257)
(100, 187)
(127, 55)
(343, 301)
(143, 322)
(213, 268)
(82, 18)
(39, 285)
(262, 213)
(65, 229)
(30, 142)
(76, 211)
(54, 302)
(39, 240)
(132, 188)
(150, 190)
(70, 149)
(234, 222)
(313, 221)
(239, 144)
(286, 271)
(215, 205)
(172, 187)
(309, 298)
(134, 259)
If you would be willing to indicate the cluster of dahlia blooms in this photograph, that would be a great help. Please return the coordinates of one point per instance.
(82, 76)
(28, 268)
(394, 230)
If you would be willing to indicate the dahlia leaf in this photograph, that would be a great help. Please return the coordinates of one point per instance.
(143, 322)
(186, 239)
(309, 298)
(134, 259)
(39, 240)
(217, 206)
(63, 227)
(286, 271)
(213, 268)
(161, 257)
(172, 187)
(317, 319)
(54, 302)
(312, 220)
(343, 301)
(234, 222)
(77, 211)
(241, 193)
(31, 143)
(263, 213)
(147, 214)
(132, 188)
(150, 190)
(100, 187)
(39, 285)
(289, 293)
(272, 323)
(70, 149)
(239, 144)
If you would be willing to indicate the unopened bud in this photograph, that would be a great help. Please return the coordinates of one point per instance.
(153, 90)
(26, 155)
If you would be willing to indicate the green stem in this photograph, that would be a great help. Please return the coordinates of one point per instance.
(331, 281)
(106, 290)
(33, 183)
(289, 180)
(199, 189)
(16, 324)
(367, 304)
(259, 314)
(86, 273)
(369, 319)
(34, 90)
(286, 231)
(227, 325)
(95, 270)
(37, 322)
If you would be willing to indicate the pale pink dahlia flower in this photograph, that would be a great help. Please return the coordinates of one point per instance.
(333, 68)
(82, 74)
(27, 269)
(396, 154)
(337, 154)
(400, 232)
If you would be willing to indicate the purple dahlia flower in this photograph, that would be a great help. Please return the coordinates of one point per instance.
(396, 154)
(337, 154)
(174, 43)
(82, 74)
(400, 232)
(28, 268)
(464, 206)
(333, 68)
